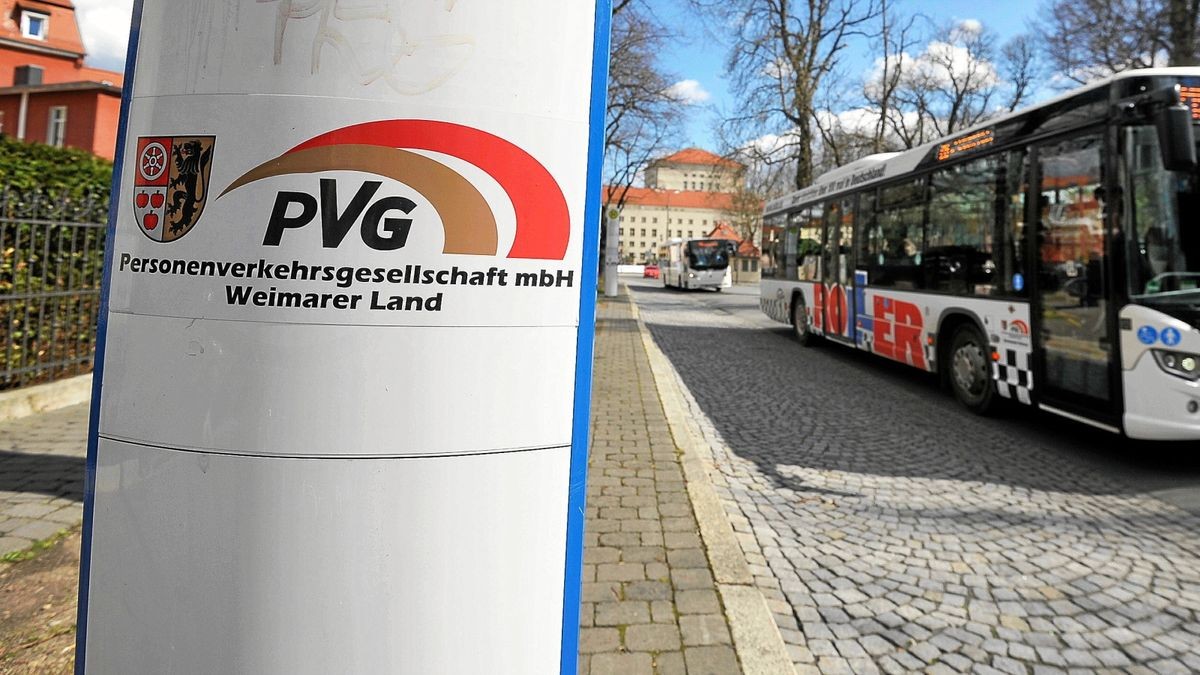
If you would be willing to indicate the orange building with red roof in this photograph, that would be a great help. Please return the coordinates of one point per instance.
(48, 94)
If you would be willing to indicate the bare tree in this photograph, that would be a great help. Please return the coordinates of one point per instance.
(644, 116)
(1021, 67)
(756, 183)
(959, 80)
(897, 35)
(1085, 39)
(782, 52)
(1181, 16)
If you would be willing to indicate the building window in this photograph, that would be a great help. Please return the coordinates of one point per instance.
(33, 25)
(56, 131)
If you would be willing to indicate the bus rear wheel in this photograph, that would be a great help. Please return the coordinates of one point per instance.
(801, 327)
(969, 376)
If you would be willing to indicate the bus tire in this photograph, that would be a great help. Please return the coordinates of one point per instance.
(801, 327)
(970, 377)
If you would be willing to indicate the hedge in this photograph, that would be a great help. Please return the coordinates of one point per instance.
(50, 264)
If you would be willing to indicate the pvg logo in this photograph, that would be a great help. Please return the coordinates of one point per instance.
(385, 148)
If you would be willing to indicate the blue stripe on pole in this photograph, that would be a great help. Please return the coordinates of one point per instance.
(89, 482)
(577, 490)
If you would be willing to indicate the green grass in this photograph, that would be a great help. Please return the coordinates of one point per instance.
(36, 549)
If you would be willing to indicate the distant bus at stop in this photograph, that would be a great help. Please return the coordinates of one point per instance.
(697, 263)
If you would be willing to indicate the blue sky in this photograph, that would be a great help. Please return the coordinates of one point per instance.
(698, 57)
(695, 56)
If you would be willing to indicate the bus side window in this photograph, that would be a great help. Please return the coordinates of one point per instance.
(772, 246)
(808, 246)
(866, 237)
(791, 243)
(900, 218)
(959, 238)
(1014, 267)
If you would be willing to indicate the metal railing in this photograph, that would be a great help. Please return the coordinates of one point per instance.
(51, 266)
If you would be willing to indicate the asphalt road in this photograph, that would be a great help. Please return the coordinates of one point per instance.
(893, 531)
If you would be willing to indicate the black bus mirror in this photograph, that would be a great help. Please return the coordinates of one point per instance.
(1176, 139)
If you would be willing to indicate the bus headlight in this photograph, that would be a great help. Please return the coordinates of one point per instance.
(1179, 364)
(691, 275)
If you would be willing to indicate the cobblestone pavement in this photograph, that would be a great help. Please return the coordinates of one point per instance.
(650, 604)
(41, 475)
(892, 531)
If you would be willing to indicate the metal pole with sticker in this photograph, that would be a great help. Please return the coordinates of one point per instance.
(341, 403)
(612, 256)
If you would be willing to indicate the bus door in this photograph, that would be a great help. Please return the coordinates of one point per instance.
(837, 276)
(1074, 349)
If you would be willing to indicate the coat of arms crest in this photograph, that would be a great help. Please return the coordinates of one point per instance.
(170, 184)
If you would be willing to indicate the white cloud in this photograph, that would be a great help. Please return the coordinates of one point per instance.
(105, 28)
(972, 26)
(774, 147)
(689, 92)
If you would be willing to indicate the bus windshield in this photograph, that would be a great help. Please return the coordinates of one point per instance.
(1163, 234)
(708, 254)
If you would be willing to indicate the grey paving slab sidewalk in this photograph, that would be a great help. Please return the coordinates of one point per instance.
(41, 475)
(650, 602)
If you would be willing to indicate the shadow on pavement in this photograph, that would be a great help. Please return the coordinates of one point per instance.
(53, 475)
(831, 408)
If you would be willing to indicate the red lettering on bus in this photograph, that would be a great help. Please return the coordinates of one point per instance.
(836, 311)
(898, 331)
(818, 318)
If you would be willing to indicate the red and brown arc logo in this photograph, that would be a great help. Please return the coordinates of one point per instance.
(386, 148)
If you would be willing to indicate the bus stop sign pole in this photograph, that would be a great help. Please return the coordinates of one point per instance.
(612, 258)
(342, 384)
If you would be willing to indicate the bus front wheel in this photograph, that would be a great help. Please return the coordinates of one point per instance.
(969, 376)
(801, 327)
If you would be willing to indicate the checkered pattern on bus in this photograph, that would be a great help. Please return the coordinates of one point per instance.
(1013, 376)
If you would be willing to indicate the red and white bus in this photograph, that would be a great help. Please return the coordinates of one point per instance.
(1050, 257)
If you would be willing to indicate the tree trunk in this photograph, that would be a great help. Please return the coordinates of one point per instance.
(1181, 26)
(804, 155)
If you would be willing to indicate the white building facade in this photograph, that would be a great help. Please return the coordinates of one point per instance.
(687, 195)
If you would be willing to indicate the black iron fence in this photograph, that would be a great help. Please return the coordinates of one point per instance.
(51, 265)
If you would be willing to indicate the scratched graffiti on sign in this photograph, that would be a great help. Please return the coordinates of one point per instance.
(408, 62)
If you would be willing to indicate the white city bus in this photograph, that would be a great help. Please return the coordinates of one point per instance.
(1050, 257)
(696, 263)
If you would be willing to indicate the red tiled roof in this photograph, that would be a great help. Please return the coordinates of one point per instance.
(724, 231)
(63, 32)
(698, 156)
(746, 249)
(684, 199)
